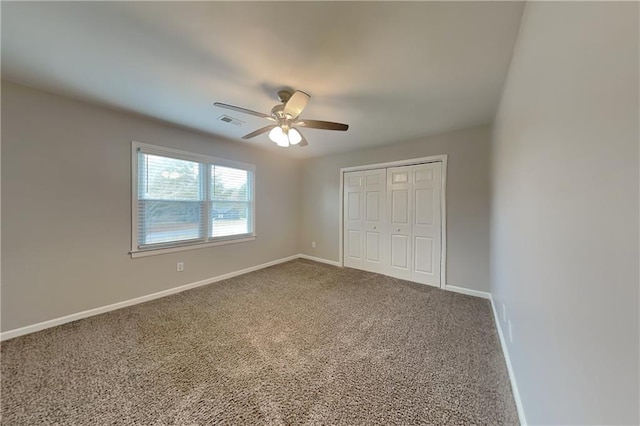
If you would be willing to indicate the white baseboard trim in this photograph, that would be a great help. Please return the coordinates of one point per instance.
(96, 311)
(319, 259)
(512, 376)
(468, 291)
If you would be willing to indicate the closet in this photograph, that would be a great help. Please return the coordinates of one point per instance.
(392, 221)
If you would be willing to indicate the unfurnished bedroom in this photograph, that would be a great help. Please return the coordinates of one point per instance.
(336, 213)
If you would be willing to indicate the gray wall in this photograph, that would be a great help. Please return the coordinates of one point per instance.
(467, 200)
(66, 208)
(565, 212)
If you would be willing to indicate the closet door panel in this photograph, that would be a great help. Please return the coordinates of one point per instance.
(353, 206)
(424, 209)
(373, 247)
(400, 206)
(353, 246)
(423, 259)
(399, 224)
(426, 223)
(353, 219)
(399, 255)
(375, 204)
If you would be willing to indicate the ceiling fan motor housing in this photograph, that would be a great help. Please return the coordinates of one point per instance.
(278, 111)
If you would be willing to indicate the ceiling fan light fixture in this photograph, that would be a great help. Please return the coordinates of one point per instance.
(284, 115)
(294, 137)
(279, 137)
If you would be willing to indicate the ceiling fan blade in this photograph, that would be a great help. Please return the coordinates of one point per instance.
(303, 142)
(325, 125)
(296, 103)
(255, 133)
(243, 110)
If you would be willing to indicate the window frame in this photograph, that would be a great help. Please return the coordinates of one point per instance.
(170, 247)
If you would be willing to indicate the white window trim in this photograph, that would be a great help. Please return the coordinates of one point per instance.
(183, 155)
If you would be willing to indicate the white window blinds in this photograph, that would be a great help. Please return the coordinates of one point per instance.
(186, 199)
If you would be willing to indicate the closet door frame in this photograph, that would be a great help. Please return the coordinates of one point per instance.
(442, 158)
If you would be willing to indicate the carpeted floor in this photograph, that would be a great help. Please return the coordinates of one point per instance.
(297, 343)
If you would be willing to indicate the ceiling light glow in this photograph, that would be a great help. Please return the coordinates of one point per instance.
(294, 137)
(285, 138)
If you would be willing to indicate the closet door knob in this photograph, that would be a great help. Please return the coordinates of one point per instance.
(374, 227)
(398, 229)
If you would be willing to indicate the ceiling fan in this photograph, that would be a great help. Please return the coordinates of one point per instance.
(286, 117)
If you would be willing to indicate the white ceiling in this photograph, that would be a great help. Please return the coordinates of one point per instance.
(392, 71)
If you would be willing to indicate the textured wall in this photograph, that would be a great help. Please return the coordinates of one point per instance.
(467, 200)
(565, 212)
(66, 208)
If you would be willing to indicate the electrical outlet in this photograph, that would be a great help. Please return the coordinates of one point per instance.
(313, 244)
(510, 332)
(504, 313)
(180, 267)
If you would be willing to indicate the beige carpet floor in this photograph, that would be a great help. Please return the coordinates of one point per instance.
(297, 343)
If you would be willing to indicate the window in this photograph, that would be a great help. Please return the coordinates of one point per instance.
(182, 200)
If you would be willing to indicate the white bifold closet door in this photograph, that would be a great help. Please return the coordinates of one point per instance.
(364, 217)
(415, 222)
(392, 221)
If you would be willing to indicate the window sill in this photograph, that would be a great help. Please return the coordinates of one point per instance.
(152, 252)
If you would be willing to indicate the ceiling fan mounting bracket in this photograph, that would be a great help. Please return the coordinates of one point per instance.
(284, 96)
